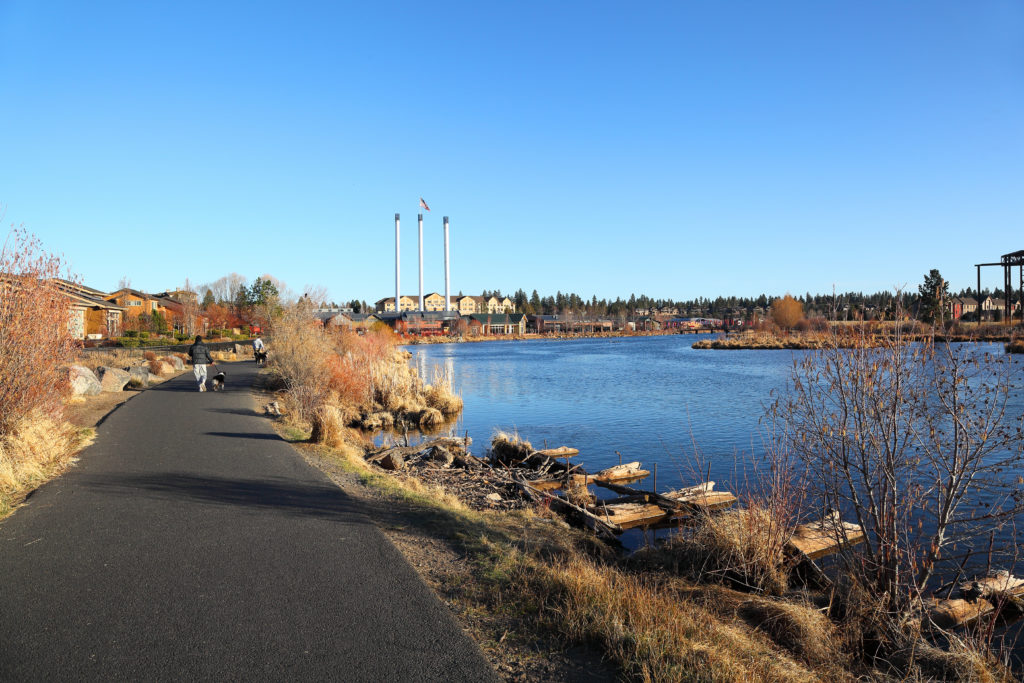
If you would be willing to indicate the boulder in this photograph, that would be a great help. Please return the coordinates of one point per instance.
(392, 461)
(243, 349)
(161, 367)
(174, 362)
(112, 379)
(83, 381)
(139, 376)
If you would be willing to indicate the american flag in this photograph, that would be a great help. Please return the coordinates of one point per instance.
(424, 204)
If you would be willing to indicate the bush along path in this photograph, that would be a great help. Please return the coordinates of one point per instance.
(192, 542)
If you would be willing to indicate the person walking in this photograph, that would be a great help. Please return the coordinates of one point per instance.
(200, 355)
(257, 349)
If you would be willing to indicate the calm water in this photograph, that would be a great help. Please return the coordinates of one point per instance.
(653, 399)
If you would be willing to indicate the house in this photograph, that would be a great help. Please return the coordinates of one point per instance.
(407, 303)
(468, 305)
(92, 316)
(960, 306)
(134, 302)
(497, 323)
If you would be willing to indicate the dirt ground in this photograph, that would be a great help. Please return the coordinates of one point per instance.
(444, 569)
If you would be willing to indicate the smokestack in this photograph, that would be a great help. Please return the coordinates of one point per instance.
(447, 290)
(421, 262)
(398, 262)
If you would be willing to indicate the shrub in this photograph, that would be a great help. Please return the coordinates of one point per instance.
(787, 312)
(131, 333)
(150, 355)
(34, 335)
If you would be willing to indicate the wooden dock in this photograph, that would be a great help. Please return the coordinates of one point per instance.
(822, 538)
(636, 508)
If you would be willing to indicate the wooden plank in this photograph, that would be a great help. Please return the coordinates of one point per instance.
(630, 515)
(560, 452)
(707, 501)
(978, 599)
(818, 539)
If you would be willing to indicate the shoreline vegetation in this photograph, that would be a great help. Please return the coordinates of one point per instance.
(719, 601)
(855, 335)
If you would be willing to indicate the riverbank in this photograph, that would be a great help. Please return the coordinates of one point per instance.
(856, 336)
(439, 339)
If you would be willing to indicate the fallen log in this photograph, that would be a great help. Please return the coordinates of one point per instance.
(603, 529)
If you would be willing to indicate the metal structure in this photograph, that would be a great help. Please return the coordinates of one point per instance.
(1007, 262)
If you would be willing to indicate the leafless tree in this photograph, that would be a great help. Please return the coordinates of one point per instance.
(914, 441)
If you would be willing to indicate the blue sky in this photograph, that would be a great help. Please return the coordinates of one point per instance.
(678, 149)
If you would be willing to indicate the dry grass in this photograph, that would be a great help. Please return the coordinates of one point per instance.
(510, 448)
(1016, 346)
(111, 358)
(745, 548)
(38, 448)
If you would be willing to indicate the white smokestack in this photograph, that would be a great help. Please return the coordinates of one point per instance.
(447, 290)
(398, 263)
(421, 262)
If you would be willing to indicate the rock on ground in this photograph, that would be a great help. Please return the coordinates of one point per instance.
(112, 379)
(139, 376)
(175, 363)
(83, 381)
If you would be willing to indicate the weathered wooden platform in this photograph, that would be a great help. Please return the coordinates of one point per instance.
(638, 508)
(819, 539)
(977, 599)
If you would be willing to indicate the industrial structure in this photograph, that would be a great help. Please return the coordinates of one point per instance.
(1007, 262)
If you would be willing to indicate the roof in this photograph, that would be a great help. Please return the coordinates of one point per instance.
(132, 292)
(497, 318)
(74, 292)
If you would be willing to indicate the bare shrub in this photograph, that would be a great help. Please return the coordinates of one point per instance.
(34, 336)
(150, 355)
(913, 442)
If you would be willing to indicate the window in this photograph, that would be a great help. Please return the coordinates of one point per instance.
(134, 302)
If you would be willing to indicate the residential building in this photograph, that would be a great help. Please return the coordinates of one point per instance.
(497, 323)
(407, 303)
(92, 317)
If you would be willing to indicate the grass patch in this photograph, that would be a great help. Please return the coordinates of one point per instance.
(38, 449)
(533, 575)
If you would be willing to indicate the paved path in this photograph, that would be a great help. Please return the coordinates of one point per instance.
(192, 543)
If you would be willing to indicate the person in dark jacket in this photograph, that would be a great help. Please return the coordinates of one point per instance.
(200, 355)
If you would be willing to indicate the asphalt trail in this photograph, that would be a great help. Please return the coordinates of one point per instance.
(191, 542)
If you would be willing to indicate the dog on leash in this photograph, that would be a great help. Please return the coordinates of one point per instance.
(218, 381)
(261, 357)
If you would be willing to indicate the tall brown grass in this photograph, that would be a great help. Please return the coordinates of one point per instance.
(365, 377)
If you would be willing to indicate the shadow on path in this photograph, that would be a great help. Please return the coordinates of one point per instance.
(246, 435)
(274, 494)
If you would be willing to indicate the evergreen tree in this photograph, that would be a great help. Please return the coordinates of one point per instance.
(933, 293)
(208, 299)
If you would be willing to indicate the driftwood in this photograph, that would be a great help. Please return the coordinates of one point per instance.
(455, 446)
(560, 452)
